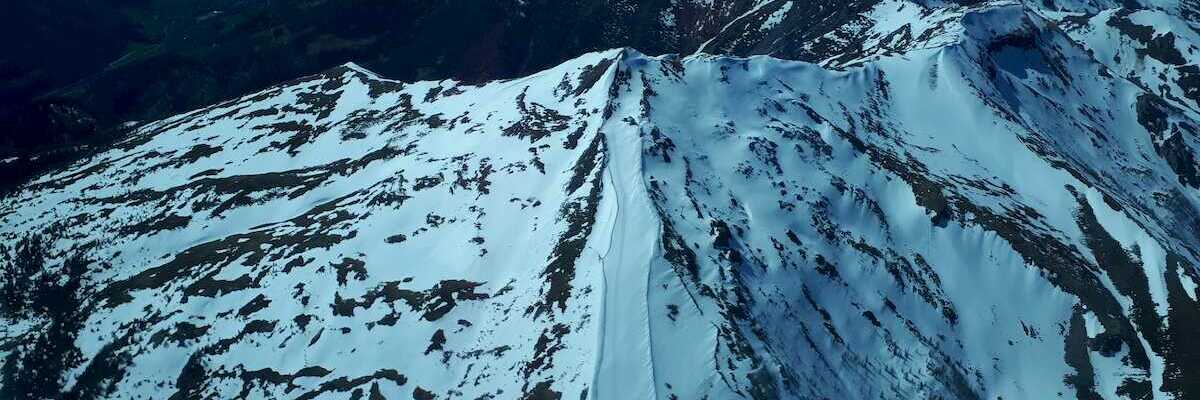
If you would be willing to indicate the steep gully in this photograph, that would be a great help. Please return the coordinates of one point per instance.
(624, 365)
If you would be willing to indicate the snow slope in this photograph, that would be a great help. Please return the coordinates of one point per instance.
(996, 213)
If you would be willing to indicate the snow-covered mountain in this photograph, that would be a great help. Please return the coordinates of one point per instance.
(968, 200)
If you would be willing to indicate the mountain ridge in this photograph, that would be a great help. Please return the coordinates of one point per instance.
(963, 221)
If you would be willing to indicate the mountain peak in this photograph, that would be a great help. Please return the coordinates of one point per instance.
(359, 69)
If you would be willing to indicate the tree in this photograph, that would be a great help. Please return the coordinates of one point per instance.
(53, 297)
(16, 278)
